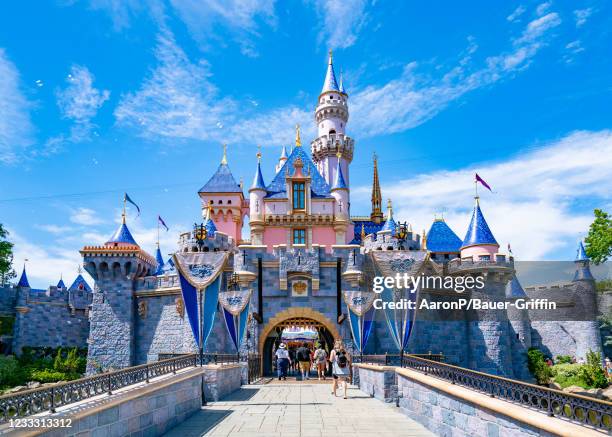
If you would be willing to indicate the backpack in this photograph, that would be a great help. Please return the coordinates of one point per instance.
(303, 355)
(342, 360)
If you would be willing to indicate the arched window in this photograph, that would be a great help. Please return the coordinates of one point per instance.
(220, 202)
(229, 202)
(332, 132)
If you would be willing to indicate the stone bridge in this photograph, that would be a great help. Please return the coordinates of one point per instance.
(422, 398)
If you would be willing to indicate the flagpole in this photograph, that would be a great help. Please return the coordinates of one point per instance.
(124, 200)
(157, 231)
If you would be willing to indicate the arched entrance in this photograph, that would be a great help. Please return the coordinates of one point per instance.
(292, 317)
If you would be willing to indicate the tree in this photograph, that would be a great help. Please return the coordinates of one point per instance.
(6, 257)
(599, 240)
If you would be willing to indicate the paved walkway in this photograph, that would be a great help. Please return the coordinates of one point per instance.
(298, 410)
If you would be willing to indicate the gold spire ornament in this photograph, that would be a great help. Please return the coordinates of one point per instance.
(376, 215)
(224, 160)
(258, 153)
(298, 140)
(363, 235)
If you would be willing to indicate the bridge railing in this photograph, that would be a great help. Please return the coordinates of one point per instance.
(28, 402)
(393, 359)
(576, 408)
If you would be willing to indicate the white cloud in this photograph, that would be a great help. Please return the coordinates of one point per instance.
(412, 99)
(582, 15)
(240, 17)
(16, 130)
(573, 48)
(515, 15)
(543, 8)
(85, 217)
(534, 204)
(78, 102)
(54, 229)
(342, 21)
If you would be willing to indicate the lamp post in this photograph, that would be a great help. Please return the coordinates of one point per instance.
(200, 233)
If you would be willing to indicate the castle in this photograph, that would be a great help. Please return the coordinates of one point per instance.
(305, 253)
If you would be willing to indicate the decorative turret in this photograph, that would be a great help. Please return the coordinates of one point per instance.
(23, 279)
(209, 224)
(479, 241)
(389, 226)
(331, 116)
(122, 236)
(442, 240)
(342, 90)
(80, 283)
(228, 206)
(376, 215)
(61, 284)
(583, 271)
(257, 192)
(340, 193)
(282, 159)
(339, 183)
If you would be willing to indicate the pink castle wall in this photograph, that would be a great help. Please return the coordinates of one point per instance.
(272, 236)
(476, 251)
(324, 236)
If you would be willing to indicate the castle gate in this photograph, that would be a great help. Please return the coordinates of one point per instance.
(294, 317)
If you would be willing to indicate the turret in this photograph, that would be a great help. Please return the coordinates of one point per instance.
(257, 192)
(61, 285)
(331, 116)
(115, 268)
(160, 261)
(340, 193)
(376, 215)
(282, 159)
(442, 242)
(583, 271)
(479, 242)
(389, 227)
(23, 279)
(228, 207)
(520, 335)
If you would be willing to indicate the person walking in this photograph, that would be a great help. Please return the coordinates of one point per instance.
(292, 360)
(282, 361)
(320, 359)
(303, 356)
(341, 364)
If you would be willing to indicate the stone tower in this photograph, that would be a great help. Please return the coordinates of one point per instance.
(331, 116)
(115, 266)
(257, 192)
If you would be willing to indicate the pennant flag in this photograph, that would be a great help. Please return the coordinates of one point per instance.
(162, 222)
(361, 316)
(126, 198)
(509, 248)
(483, 182)
(235, 306)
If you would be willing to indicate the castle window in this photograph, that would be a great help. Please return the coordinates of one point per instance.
(484, 258)
(229, 202)
(298, 195)
(299, 236)
(220, 202)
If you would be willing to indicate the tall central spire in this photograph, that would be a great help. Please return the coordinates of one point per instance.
(298, 140)
(224, 159)
(330, 84)
(376, 215)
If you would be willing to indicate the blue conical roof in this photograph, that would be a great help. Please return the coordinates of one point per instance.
(441, 238)
(23, 280)
(283, 153)
(160, 261)
(581, 253)
(478, 232)
(342, 90)
(80, 284)
(221, 182)
(330, 83)
(514, 289)
(210, 228)
(339, 183)
(258, 182)
(277, 188)
(122, 235)
(61, 284)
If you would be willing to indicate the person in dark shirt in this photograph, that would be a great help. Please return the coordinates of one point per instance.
(303, 356)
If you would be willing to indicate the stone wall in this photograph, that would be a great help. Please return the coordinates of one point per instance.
(221, 380)
(447, 409)
(150, 410)
(376, 381)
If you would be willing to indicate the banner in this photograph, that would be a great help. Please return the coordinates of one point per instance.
(235, 306)
(200, 271)
(399, 321)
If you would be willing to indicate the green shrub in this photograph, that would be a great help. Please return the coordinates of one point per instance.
(563, 359)
(48, 375)
(569, 374)
(11, 373)
(593, 372)
(537, 366)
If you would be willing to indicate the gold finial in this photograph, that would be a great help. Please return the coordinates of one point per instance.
(362, 231)
(338, 154)
(389, 205)
(224, 160)
(298, 140)
(258, 153)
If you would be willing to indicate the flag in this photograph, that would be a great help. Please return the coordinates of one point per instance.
(162, 222)
(509, 249)
(482, 181)
(126, 198)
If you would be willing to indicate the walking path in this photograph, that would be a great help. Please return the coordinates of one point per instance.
(298, 410)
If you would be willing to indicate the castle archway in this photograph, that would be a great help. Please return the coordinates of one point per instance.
(294, 317)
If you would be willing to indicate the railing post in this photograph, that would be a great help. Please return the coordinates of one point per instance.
(550, 407)
(174, 366)
(110, 391)
(147, 373)
(52, 406)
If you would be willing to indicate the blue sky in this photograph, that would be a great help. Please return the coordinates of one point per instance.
(100, 97)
